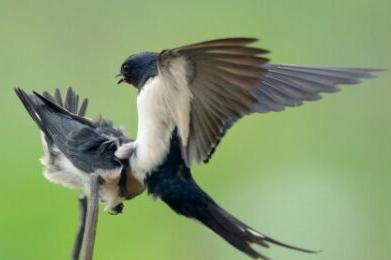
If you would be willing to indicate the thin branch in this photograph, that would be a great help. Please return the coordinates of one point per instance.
(92, 218)
(80, 233)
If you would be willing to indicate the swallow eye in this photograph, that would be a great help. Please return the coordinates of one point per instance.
(125, 69)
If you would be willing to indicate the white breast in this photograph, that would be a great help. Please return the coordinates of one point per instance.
(155, 127)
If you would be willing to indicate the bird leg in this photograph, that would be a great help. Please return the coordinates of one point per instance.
(92, 218)
(80, 233)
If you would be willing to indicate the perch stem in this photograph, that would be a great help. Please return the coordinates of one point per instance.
(80, 233)
(92, 218)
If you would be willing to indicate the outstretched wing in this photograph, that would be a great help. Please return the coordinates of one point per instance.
(210, 85)
(289, 85)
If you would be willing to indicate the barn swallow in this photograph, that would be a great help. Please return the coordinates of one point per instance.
(75, 146)
(188, 98)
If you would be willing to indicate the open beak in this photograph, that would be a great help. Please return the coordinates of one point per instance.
(122, 79)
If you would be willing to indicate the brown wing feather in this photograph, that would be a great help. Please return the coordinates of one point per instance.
(227, 79)
(220, 75)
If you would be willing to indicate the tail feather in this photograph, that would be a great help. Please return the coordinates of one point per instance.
(234, 233)
(47, 111)
(239, 234)
(31, 104)
(173, 183)
(62, 110)
(58, 97)
(83, 108)
(70, 103)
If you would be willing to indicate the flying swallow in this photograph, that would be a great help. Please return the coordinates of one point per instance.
(188, 97)
(199, 90)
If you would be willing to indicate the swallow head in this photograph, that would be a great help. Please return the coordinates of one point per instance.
(138, 68)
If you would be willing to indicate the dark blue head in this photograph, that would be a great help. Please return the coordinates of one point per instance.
(138, 68)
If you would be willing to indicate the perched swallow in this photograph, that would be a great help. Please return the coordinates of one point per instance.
(188, 97)
(75, 146)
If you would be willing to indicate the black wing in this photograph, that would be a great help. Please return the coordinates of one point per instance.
(89, 145)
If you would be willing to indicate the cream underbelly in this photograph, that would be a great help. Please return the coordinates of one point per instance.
(60, 170)
(155, 127)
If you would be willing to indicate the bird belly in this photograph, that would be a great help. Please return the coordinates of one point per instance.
(59, 170)
(155, 127)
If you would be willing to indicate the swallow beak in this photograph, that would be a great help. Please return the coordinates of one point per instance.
(122, 79)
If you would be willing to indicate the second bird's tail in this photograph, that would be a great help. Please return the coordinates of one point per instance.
(38, 110)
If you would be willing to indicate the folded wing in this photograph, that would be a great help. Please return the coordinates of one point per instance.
(89, 145)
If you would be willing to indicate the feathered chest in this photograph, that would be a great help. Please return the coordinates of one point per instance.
(155, 128)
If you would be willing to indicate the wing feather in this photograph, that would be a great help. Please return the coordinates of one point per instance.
(289, 85)
(214, 83)
(218, 74)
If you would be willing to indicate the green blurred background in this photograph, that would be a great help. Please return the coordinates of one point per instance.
(317, 176)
